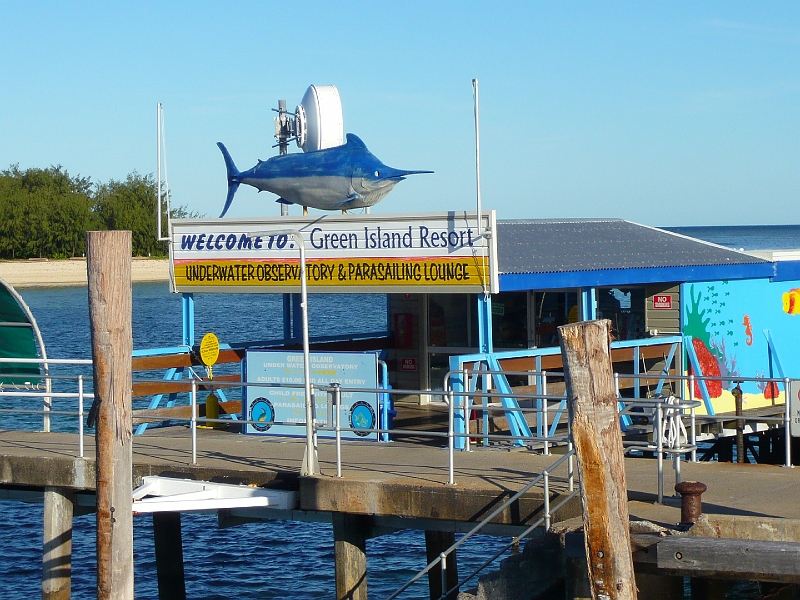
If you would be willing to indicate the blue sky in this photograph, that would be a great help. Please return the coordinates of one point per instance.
(674, 113)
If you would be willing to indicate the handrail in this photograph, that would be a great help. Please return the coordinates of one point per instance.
(547, 437)
(48, 377)
(543, 476)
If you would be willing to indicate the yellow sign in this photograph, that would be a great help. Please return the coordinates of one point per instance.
(460, 271)
(209, 349)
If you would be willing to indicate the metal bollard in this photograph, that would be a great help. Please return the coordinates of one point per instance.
(691, 500)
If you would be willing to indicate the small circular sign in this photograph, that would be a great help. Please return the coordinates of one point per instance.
(261, 410)
(209, 349)
(362, 416)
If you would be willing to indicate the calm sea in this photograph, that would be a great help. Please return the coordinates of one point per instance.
(748, 237)
(277, 559)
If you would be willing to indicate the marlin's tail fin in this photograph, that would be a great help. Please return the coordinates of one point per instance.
(233, 177)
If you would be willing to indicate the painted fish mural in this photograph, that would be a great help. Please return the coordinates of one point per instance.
(343, 177)
(748, 330)
(734, 341)
(791, 301)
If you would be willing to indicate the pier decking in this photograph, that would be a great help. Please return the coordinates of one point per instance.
(403, 485)
(34, 460)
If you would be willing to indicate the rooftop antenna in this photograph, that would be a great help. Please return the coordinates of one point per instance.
(481, 231)
(162, 152)
(283, 133)
(477, 154)
(316, 124)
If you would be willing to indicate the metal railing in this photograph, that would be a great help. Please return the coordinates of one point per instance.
(27, 390)
(657, 410)
(544, 520)
(687, 383)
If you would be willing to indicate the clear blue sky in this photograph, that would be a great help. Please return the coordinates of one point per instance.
(678, 113)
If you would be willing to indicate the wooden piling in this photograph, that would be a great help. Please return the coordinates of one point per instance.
(660, 587)
(108, 264)
(437, 542)
(169, 555)
(597, 437)
(350, 533)
(57, 547)
(708, 589)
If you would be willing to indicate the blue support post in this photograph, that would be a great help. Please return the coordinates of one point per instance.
(485, 404)
(588, 304)
(187, 313)
(484, 345)
(701, 383)
(665, 370)
(459, 426)
(485, 323)
(385, 400)
(773, 355)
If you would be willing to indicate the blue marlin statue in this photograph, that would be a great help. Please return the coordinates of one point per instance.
(343, 177)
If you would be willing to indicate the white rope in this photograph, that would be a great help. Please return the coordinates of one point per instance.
(673, 431)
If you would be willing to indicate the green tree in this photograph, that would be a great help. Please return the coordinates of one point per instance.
(46, 212)
(43, 211)
(131, 204)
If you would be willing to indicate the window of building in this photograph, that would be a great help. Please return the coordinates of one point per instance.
(625, 308)
(551, 309)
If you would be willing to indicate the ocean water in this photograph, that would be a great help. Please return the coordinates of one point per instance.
(748, 237)
(277, 559)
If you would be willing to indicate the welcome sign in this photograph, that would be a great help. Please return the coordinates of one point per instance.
(441, 252)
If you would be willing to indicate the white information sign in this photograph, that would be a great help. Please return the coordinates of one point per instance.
(438, 252)
(794, 407)
(276, 408)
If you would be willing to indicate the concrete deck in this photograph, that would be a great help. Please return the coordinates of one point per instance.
(397, 479)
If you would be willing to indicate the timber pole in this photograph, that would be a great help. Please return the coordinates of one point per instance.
(597, 437)
(108, 264)
(57, 550)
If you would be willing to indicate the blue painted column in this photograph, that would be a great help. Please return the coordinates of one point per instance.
(485, 323)
(588, 304)
(485, 345)
(187, 314)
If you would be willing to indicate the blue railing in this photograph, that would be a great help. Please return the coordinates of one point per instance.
(490, 362)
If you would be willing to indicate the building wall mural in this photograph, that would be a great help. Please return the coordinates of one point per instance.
(729, 322)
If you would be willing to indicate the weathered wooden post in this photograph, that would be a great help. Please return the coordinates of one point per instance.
(108, 262)
(57, 550)
(597, 438)
(437, 542)
(169, 556)
(350, 534)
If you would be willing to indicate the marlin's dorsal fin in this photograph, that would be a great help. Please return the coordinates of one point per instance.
(355, 141)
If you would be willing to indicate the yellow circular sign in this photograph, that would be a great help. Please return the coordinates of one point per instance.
(209, 349)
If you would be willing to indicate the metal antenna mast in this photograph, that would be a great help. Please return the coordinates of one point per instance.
(162, 159)
(283, 131)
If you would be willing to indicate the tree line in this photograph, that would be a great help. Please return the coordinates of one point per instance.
(45, 213)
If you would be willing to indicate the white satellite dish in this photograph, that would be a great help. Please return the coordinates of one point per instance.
(318, 119)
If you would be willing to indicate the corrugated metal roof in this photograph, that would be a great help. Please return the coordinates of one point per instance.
(561, 246)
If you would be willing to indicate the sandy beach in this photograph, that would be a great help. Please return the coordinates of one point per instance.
(58, 273)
